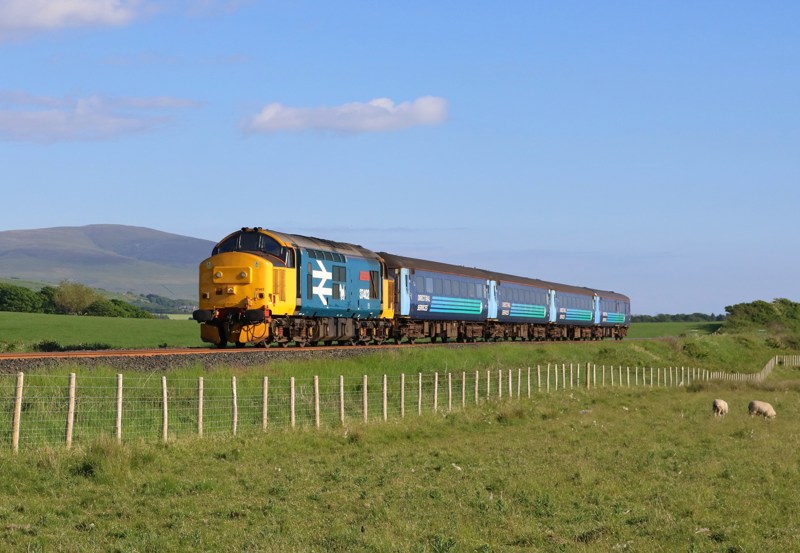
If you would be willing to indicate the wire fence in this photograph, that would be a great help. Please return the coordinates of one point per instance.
(44, 409)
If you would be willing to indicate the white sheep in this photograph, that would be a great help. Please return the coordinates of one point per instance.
(761, 408)
(720, 407)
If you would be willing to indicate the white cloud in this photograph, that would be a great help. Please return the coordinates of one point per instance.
(378, 115)
(28, 118)
(25, 16)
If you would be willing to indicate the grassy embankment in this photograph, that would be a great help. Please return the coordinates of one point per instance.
(579, 470)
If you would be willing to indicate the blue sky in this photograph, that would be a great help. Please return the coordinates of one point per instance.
(651, 148)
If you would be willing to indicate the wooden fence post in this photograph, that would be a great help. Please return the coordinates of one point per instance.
(435, 392)
(164, 412)
(385, 399)
(402, 395)
(234, 407)
(488, 384)
(571, 375)
(119, 409)
(365, 403)
(449, 392)
(341, 398)
(419, 394)
(539, 378)
(463, 389)
(316, 401)
(510, 385)
(15, 421)
(548, 378)
(70, 409)
(499, 383)
(264, 403)
(529, 382)
(477, 385)
(292, 419)
(200, 406)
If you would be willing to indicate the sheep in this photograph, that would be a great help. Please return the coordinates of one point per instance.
(761, 408)
(720, 407)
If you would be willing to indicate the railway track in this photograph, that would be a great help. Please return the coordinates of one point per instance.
(166, 358)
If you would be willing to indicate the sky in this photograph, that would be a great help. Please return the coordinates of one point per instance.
(650, 148)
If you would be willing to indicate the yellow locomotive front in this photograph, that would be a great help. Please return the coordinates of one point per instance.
(249, 278)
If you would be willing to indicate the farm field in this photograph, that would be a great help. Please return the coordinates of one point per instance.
(577, 470)
(604, 469)
(20, 331)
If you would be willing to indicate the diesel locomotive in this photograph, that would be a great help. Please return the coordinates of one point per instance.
(265, 288)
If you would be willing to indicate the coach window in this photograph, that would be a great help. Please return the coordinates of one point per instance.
(428, 285)
(446, 288)
(463, 287)
(437, 286)
(309, 283)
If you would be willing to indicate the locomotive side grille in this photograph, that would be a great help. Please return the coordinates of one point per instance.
(279, 283)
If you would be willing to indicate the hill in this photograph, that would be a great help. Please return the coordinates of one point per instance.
(116, 258)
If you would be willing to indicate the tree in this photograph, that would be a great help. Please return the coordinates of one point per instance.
(20, 299)
(116, 308)
(74, 298)
(48, 296)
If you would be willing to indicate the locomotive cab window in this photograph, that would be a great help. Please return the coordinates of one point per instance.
(258, 243)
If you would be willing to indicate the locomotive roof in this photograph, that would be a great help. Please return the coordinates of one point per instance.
(310, 242)
(398, 261)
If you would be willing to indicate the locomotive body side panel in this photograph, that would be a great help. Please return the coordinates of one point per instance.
(335, 285)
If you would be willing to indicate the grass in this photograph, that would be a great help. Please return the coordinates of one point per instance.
(21, 331)
(659, 330)
(588, 471)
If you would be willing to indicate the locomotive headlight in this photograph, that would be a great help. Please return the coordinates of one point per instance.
(218, 274)
(243, 274)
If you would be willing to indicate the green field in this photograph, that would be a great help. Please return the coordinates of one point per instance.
(20, 331)
(658, 330)
(604, 469)
(600, 470)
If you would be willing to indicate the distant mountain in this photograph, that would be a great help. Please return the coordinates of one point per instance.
(116, 258)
